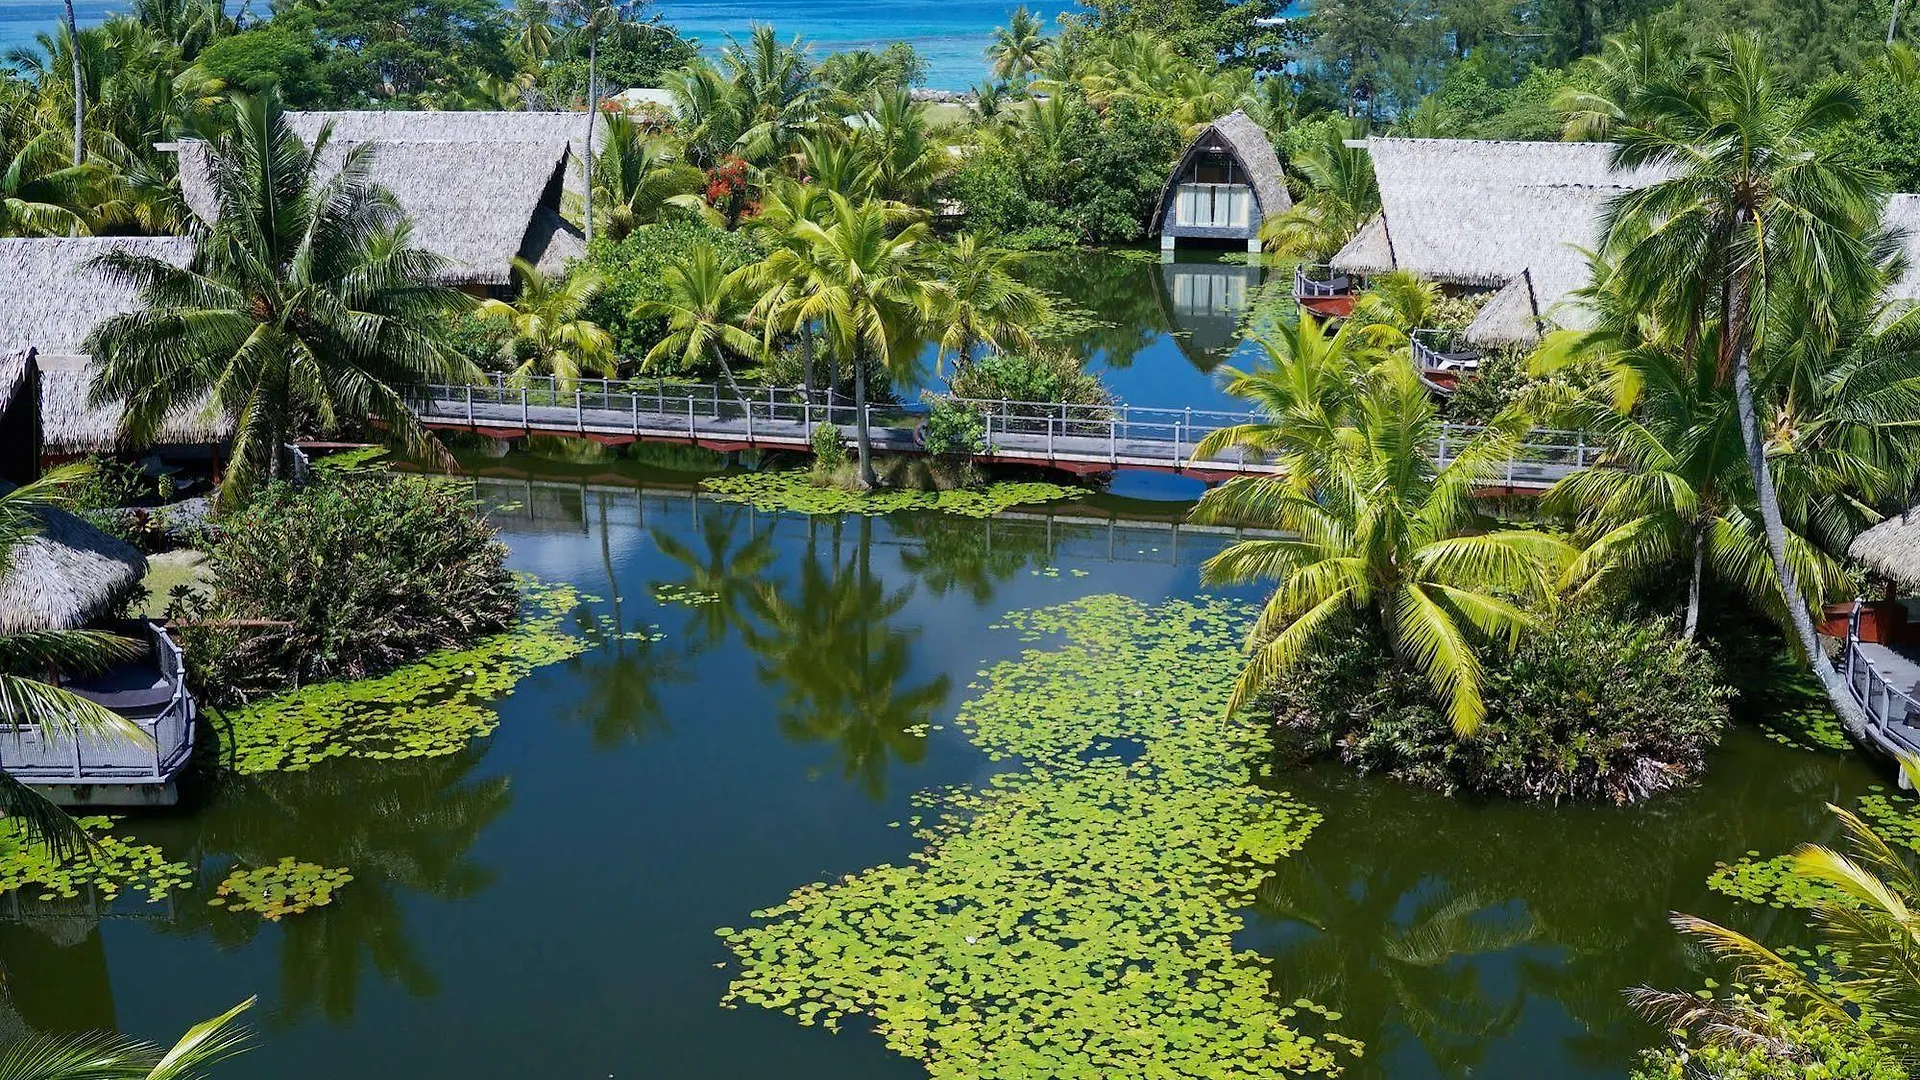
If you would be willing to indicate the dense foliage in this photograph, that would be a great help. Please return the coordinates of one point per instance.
(634, 269)
(346, 577)
(1587, 707)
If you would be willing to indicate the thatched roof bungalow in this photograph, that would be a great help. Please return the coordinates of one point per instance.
(69, 575)
(1891, 549)
(480, 188)
(49, 303)
(1511, 216)
(1227, 183)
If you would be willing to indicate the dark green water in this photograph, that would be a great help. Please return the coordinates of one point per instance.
(544, 903)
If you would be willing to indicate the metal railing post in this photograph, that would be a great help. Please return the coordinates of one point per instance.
(469, 404)
(524, 422)
(1113, 442)
(579, 415)
(1049, 438)
(690, 432)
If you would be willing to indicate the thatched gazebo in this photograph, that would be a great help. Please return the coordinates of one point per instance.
(479, 188)
(1891, 549)
(69, 575)
(1225, 185)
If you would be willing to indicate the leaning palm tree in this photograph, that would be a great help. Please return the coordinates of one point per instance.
(1018, 46)
(1388, 535)
(984, 303)
(638, 178)
(866, 287)
(29, 700)
(106, 1056)
(305, 297)
(708, 309)
(1763, 213)
(1342, 196)
(548, 333)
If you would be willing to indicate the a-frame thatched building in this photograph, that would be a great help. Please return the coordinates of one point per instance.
(1227, 183)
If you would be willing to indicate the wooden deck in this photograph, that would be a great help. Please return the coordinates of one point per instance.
(1075, 438)
(1886, 683)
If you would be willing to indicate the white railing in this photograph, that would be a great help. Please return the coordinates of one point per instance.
(1443, 350)
(1114, 435)
(41, 754)
(1319, 282)
(1885, 704)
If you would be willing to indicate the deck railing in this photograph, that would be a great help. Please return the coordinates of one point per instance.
(46, 755)
(1890, 711)
(1320, 282)
(1114, 435)
(1443, 350)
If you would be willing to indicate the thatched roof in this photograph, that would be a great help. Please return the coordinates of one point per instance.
(70, 425)
(477, 203)
(402, 125)
(1237, 134)
(1892, 548)
(67, 576)
(50, 302)
(1903, 216)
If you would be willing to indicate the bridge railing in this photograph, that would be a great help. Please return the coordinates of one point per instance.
(1886, 705)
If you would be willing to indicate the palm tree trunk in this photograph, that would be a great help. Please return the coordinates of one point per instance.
(806, 358)
(1852, 716)
(1693, 587)
(1893, 23)
(79, 90)
(726, 372)
(867, 478)
(593, 114)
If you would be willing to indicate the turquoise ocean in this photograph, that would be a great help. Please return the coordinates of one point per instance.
(951, 34)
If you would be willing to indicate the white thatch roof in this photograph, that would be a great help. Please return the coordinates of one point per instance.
(70, 425)
(1484, 213)
(50, 302)
(1903, 216)
(67, 576)
(402, 125)
(477, 203)
(1892, 548)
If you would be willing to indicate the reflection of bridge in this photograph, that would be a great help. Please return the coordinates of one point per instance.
(1075, 438)
(1068, 529)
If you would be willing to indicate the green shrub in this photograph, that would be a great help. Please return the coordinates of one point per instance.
(1802, 1049)
(1589, 707)
(954, 430)
(367, 571)
(829, 448)
(633, 268)
(1043, 375)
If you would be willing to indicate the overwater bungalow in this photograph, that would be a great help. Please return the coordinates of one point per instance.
(479, 187)
(49, 302)
(1881, 646)
(1224, 186)
(72, 575)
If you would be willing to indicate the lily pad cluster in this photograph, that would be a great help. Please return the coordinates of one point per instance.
(114, 866)
(1773, 882)
(794, 490)
(287, 887)
(1074, 919)
(668, 593)
(434, 706)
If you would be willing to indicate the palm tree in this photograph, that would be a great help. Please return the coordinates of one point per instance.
(28, 699)
(865, 288)
(1763, 213)
(1017, 47)
(707, 309)
(637, 178)
(305, 297)
(549, 334)
(907, 159)
(36, 200)
(1342, 196)
(1385, 534)
(1398, 300)
(591, 18)
(532, 23)
(774, 91)
(1612, 92)
(984, 302)
(784, 203)
(105, 1056)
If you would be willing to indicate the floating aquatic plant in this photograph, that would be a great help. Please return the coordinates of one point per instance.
(1076, 919)
(436, 705)
(114, 865)
(1773, 882)
(794, 490)
(668, 593)
(287, 887)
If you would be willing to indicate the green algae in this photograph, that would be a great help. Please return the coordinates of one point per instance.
(434, 706)
(114, 866)
(1074, 919)
(793, 490)
(275, 891)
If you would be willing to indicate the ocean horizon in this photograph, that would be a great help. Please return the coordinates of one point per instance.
(951, 34)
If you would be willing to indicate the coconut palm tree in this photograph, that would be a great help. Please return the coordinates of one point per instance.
(1763, 213)
(1017, 47)
(708, 309)
(106, 1056)
(774, 91)
(549, 334)
(983, 302)
(28, 699)
(1398, 300)
(1612, 90)
(1342, 196)
(638, 178)
(1386, 534)
(532, 24)
(784, 203)
(37, 198)
(305, 297)
(865, 286)
(907, 159)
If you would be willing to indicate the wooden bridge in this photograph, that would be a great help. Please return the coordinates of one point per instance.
(1073, 438)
